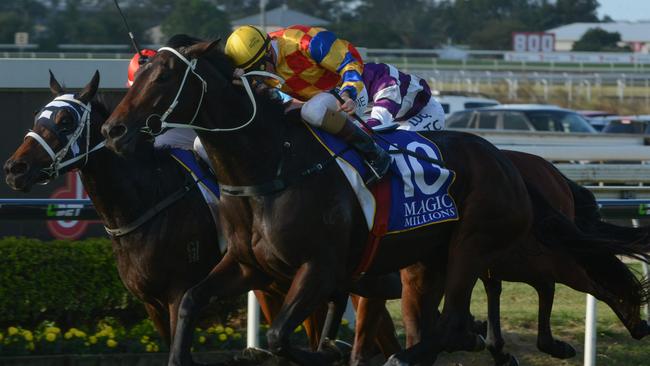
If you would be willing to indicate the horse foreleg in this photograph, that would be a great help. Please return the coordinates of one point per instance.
(312, 285)
(370, 319)
(495, 341)
(545, 341)
(227, 279)
(160, 319)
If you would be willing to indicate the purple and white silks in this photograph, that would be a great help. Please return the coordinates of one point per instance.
(400, 97)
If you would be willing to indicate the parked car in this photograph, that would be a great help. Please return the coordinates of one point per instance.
(453, 102)
(638, 125)
(597, 119)
(522, 117)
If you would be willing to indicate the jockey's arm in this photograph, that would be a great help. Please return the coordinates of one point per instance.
(341, 58)
(387, 102)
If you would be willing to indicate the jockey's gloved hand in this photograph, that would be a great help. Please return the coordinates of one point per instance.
(236, 76)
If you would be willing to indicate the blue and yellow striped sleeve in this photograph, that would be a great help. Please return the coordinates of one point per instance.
(341, 57)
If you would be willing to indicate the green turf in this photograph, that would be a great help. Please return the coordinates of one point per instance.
(519, 323)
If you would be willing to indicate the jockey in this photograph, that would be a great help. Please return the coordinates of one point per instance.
(181, 138)
(312, 61)
(402, 98)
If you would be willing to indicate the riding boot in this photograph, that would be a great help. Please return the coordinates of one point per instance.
(378, 159)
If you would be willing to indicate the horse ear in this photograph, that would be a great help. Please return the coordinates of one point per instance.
(55, 87)
(89, 91)
(202, 48)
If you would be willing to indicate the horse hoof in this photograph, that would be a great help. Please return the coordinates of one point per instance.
(254, 355)
(559, 349)
(512, 361)
(479, 343)
(394, 361)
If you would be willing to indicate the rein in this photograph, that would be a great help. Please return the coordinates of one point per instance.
(152, 212)
(191, 67)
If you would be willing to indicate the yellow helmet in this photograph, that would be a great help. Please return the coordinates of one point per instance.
(246, 46)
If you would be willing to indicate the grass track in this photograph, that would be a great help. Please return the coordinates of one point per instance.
(519, 322)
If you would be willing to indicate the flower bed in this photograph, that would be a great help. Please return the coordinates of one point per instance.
(109, 337)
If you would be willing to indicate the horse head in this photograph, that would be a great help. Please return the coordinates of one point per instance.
(170, 87)
(58, 141)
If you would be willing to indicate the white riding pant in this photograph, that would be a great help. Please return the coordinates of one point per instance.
(313, 111)
(430, 118)
(182, 138)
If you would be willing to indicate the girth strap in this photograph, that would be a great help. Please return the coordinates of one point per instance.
(153, 211)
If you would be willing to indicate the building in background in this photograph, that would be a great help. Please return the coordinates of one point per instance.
(280, 17)
(635, 35)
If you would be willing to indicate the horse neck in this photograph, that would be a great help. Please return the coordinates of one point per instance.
(121, 189)
(249, 156)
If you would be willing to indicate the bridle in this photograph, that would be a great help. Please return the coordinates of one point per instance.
(70, 141)
(191, 68)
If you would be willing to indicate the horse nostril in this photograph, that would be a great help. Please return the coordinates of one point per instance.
(17, 168)
(117, 131)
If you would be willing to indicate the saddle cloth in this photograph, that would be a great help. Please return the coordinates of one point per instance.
(416, 191)
(207, 182)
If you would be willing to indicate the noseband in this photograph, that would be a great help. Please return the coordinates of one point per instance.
(67, 100)
(191, 67)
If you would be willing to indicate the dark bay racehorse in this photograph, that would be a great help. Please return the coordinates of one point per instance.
(170, 252)
(310, 234)
(592, 268)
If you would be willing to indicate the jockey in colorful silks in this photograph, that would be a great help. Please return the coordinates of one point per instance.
(312, 61)
(402, 98)
(181, 138)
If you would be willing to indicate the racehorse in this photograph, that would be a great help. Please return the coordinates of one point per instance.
(309, 232)
(592, 268)
(172, 250)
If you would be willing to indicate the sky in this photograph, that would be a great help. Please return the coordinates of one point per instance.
(632, 10)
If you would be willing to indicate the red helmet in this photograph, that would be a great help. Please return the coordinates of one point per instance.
(135, 63)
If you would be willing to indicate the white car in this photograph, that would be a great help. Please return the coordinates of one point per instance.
(455, 103)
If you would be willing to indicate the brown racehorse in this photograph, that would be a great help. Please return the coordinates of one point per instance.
(160, 260)
(310, 235)
(595, 270)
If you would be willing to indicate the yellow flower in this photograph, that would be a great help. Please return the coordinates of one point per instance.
(218, 328)
(298, 329)
(12, 331)
(201, 339)
(78, 333)
(53, 330)
(144, 339)
(236, 336)
(50, 337)
(1, 337)
(92, 339)
(223, 337)
(68, 335)
(149, 348)
(344, 322)
(111, 343)
(229, 331)
(155, 347)
(28, 336)
(30, 346)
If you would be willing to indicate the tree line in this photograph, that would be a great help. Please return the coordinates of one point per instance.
(480, 24)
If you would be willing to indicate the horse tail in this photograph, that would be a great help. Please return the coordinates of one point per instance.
(588, 218)
(591, 235)
(593, 243)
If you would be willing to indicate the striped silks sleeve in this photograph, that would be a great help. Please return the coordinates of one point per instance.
(339, 56)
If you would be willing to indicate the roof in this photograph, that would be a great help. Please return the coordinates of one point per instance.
(630, 31)
(281, 17)
(526, 107)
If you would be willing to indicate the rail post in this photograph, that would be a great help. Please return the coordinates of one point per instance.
(252, 321)
(590, 332)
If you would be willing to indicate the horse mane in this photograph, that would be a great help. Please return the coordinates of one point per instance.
(223, 64)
